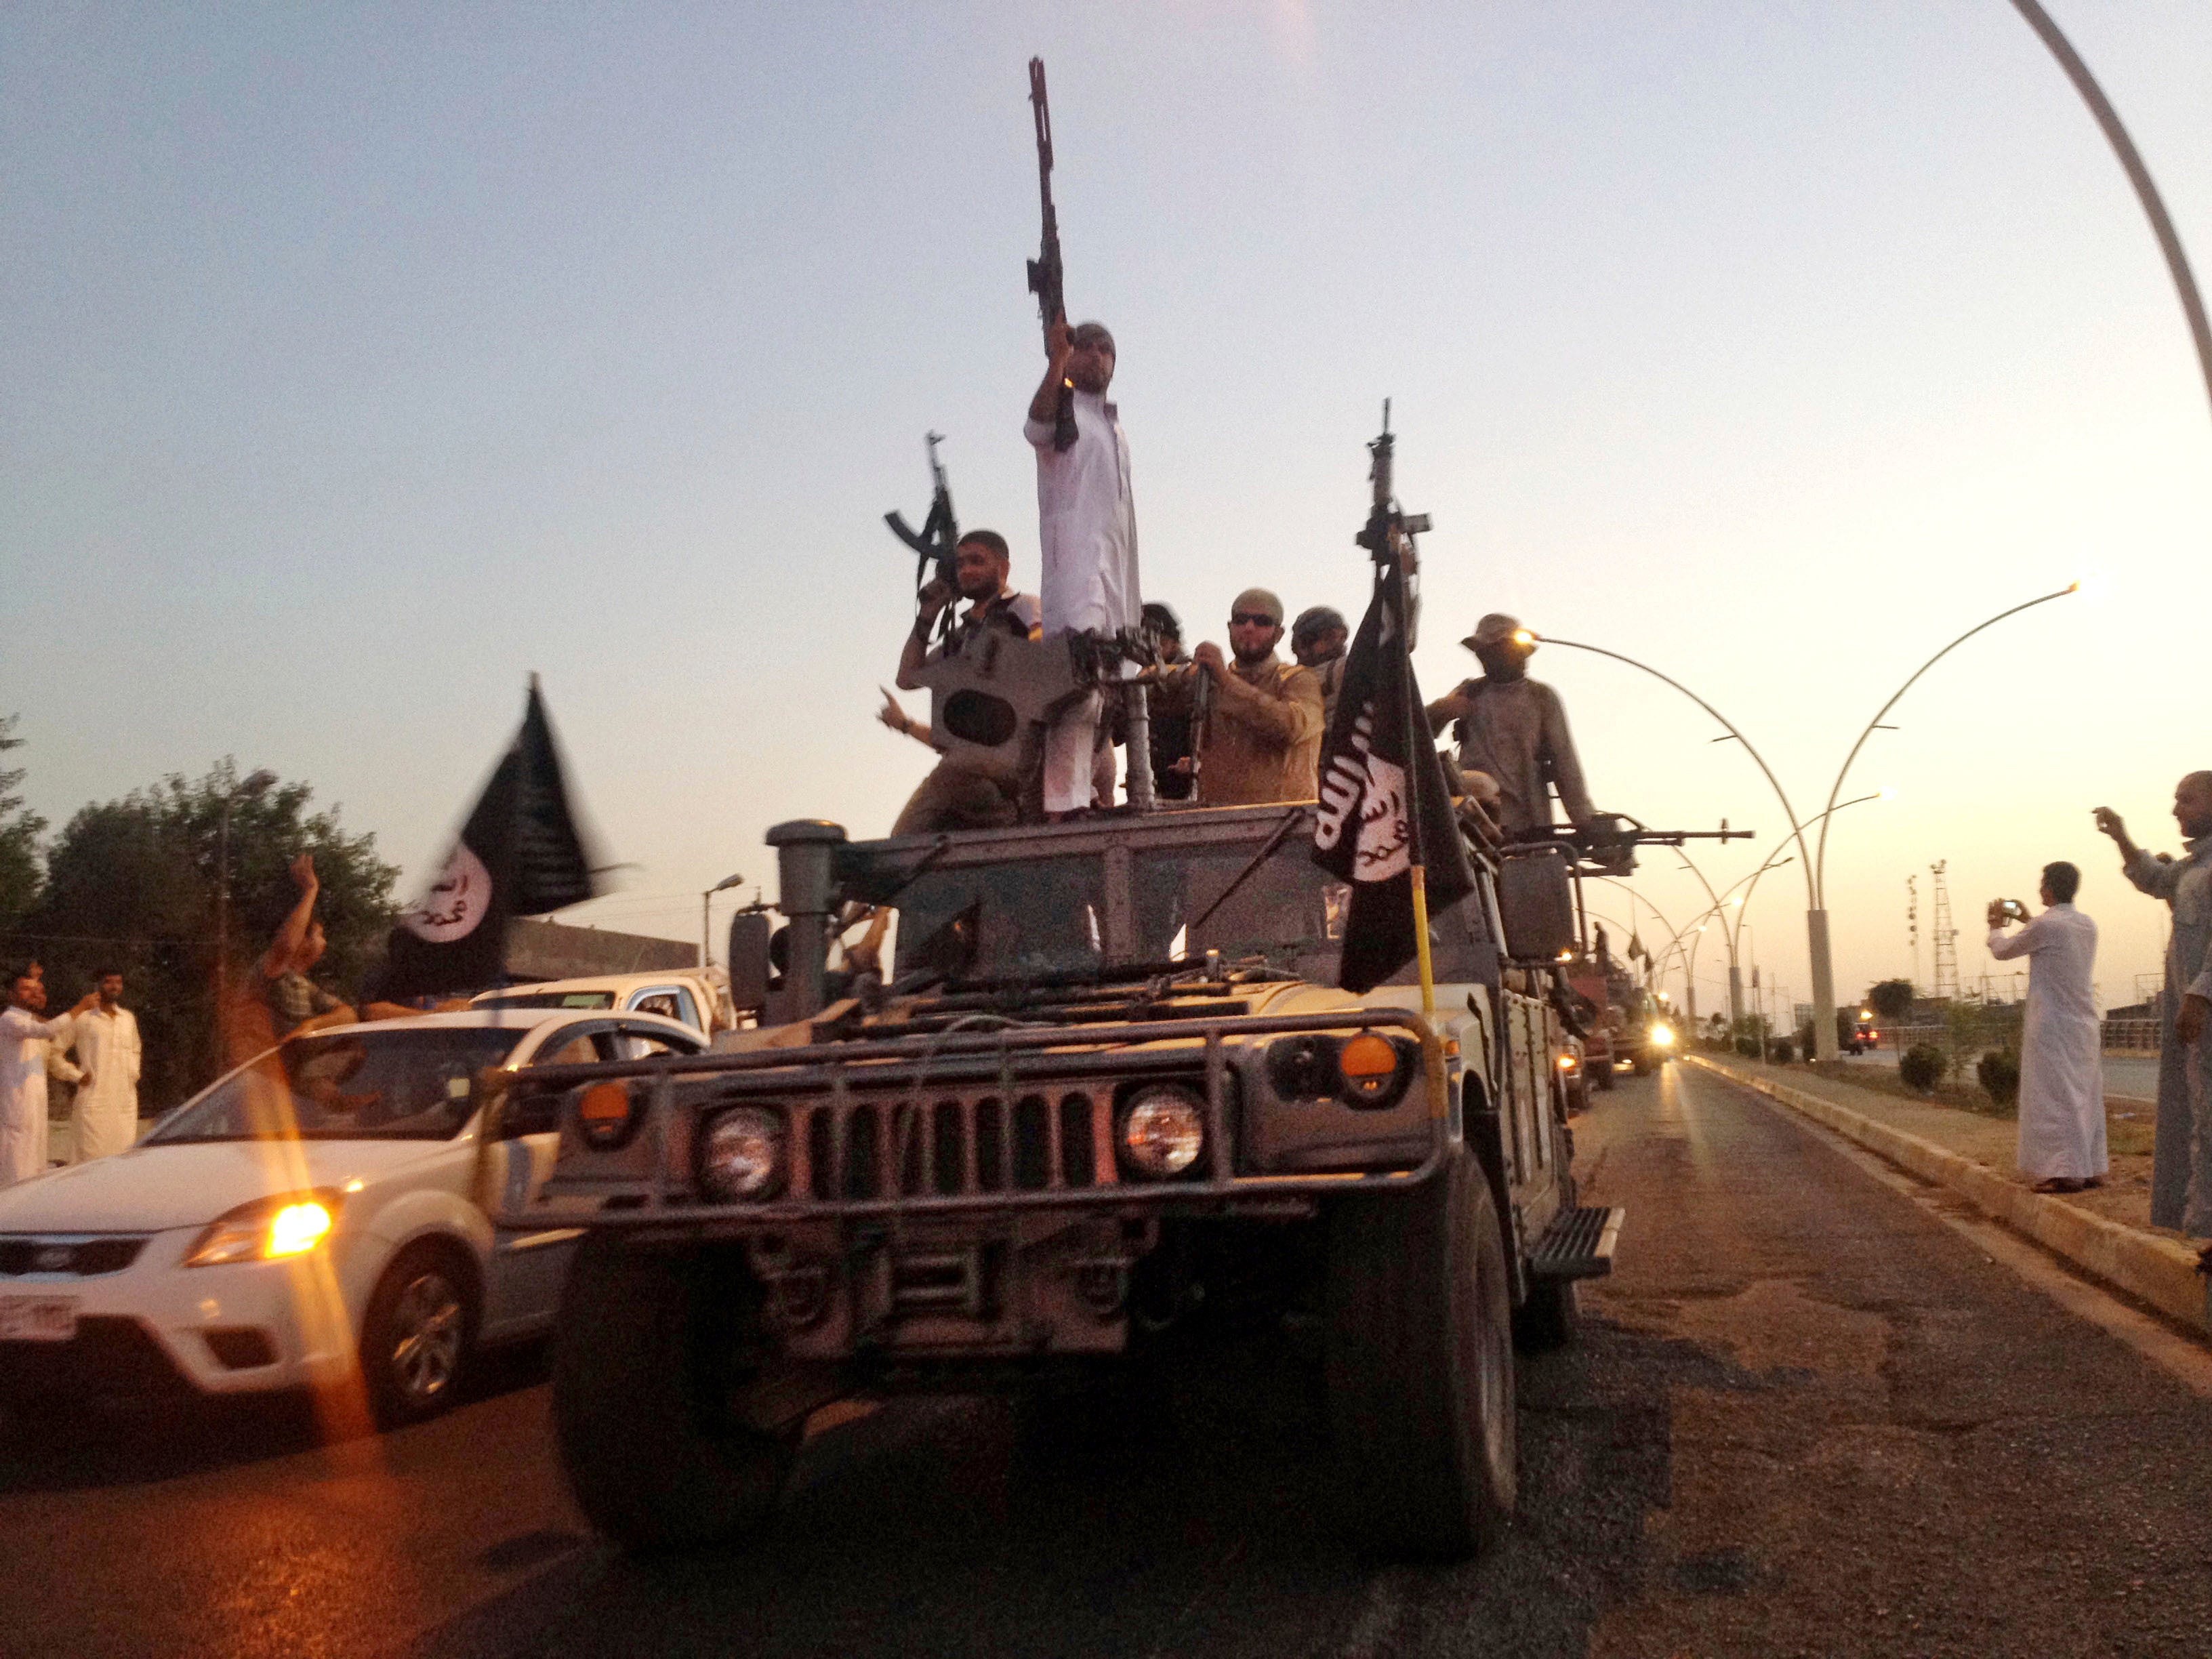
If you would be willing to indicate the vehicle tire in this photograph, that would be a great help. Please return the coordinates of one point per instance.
(419, 1335)
(651, 1355)
(1419, 1372)
(1642, 1064)
(1549, 1318)
(1604, 1074)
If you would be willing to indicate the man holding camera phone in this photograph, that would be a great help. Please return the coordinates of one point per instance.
(2062, 1074)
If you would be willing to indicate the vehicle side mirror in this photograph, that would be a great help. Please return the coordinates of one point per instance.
(1536, 905)
(749, 963)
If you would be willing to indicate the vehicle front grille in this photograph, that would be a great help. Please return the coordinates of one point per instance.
(1043, 1140)
(85, 1257)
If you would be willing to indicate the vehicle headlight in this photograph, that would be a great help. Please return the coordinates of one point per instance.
(1568, 1062)
(1662, 1036)
(741, 1154)
(1373, 1070)
(1162, 1131)
(289, 1224)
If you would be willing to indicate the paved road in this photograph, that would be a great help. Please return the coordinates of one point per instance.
(2135, 1076)
(1808, 1417)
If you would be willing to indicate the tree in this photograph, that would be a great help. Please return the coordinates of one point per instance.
(1891, 998)
(133, 882)
(19, 837)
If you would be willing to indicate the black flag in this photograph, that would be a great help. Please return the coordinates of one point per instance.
(521, 853)
(1383, 800)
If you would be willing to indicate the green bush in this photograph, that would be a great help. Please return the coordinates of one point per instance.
(1782, 1051)
(1921, 1067)
(1748, 1046)
(1999, 1071)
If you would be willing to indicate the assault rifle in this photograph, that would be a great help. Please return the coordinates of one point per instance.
(937, 539)
(1045, 270)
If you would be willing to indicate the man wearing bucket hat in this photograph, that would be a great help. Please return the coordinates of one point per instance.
(1262, 741)
(1514, 729)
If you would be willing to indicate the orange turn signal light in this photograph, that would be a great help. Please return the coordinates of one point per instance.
(603, 1113)
(1369, 1066)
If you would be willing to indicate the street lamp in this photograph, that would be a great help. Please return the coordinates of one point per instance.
(706, 899)
(253, 784)
(1816, 919)
(1816, 913)
(1723, 903)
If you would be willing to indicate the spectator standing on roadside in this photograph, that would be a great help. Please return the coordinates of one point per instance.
(2181, 1159)
(295, 1002)
(106, 1039)
(2062, 1074)
(23, 1039)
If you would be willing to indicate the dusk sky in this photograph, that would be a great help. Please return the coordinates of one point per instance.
(362, 360)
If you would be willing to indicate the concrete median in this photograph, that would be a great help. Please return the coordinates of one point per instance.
(2156, 1271)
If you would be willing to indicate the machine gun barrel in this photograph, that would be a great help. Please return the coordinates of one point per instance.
(1045, 273)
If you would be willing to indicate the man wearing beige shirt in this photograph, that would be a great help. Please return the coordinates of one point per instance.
(1262, 737)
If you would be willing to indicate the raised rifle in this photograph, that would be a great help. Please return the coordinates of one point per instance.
(937, 539)
(1045, 270)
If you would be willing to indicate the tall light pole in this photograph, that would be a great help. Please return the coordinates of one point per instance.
(2154, 206)
(706, 899)
(254, 783)
(1816, 920)
(1719, 905)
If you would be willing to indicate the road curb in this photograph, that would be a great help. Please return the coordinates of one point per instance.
(2155, 1270)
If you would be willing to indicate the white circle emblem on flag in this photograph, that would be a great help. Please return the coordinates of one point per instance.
(457, 900)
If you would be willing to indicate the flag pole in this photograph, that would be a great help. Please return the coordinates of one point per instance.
(1385, 541)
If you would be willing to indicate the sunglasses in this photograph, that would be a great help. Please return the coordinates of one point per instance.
(1252, 619)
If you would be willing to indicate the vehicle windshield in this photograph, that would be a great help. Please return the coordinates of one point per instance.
(1288, 912)
(547, 1000)
(1015, 920)
(354, 1084)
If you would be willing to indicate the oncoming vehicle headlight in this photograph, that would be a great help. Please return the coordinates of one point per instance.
(1163, 1132)
(289, 1224)
(741, 1153)
(1662, 1036)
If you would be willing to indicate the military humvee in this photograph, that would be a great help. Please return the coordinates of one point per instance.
(1107, 1080)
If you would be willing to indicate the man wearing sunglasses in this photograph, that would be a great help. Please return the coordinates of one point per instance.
(1262, 738)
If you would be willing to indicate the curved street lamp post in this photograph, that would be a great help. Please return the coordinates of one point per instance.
(1816, 912)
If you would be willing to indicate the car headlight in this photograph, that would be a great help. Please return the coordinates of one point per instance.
(741, 1154)
(289, 1224)
(1162, 1131)
(1662, 1036)
(1375, 1070)
(1568, 1062)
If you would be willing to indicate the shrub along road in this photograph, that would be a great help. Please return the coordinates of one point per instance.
(1806, 1417)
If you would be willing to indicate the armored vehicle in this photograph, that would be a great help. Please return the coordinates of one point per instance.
(1106, 1082)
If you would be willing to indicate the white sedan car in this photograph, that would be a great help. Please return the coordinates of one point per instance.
(317, 1215)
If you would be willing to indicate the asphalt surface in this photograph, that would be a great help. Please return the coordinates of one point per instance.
(1805, 1417)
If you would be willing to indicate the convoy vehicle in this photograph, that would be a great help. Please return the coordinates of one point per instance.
(1109, 1087)
(688, 996)
(318, 1215)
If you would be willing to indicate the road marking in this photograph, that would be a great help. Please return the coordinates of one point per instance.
(2181, 1357)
